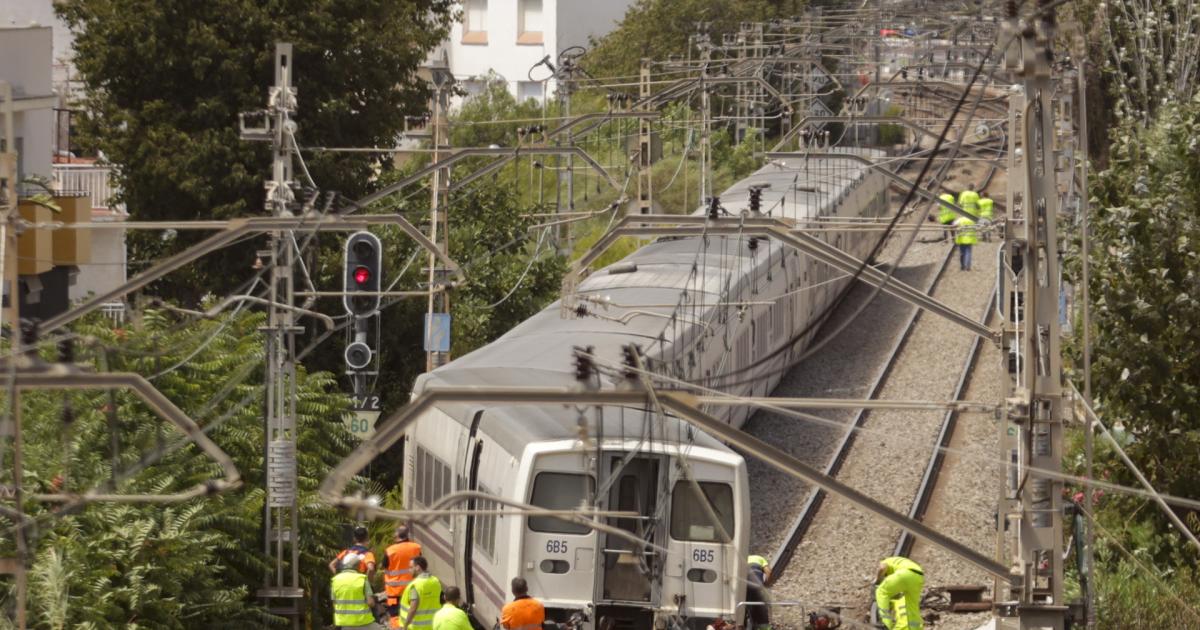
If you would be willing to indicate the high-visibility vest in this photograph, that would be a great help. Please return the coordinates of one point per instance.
(900, 563)
(451, 617)
(964, 232)
(969, 200)
(757, 561)
(523, 613)
(350, 607)
(399, 567)
(985, 208)
(945, 213)
(367, 556)
(429, 593)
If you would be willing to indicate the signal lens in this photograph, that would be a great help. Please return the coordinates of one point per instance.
(362, 275)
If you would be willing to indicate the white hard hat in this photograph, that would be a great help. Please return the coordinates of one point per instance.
(351, 561)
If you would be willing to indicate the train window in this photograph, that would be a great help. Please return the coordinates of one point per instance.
(432, 478)
(690, 519)
(560, 491)
(485, 526)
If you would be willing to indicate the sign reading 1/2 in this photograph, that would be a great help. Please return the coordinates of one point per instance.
(364, 412)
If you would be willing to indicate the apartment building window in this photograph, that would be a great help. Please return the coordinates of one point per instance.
(475, 21)
(529, 21)
(529, 90)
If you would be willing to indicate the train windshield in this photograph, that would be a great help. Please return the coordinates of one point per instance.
(691, 520)
(560, 491)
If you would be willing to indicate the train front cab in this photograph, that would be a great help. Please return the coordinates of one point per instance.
(685, 573)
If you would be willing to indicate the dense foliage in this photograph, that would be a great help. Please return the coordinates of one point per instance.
(166, 79)
(1144, 305)
(188, 565)
(657, 29)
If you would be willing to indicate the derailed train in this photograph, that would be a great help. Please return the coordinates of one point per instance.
(744, 299)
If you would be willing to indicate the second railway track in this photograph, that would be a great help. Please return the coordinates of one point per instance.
(893, 353)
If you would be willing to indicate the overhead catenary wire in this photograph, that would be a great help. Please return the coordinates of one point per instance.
(615, 370)
(815, 322)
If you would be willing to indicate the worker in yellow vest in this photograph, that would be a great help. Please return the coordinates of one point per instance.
(946, 214)
(965, 238)
(969, 200)
(421, 598)
(351, 595)
(451, 616)
(899, 577)
(757, 575)
(986, 212)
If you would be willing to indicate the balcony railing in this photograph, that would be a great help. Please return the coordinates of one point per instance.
(93, 180)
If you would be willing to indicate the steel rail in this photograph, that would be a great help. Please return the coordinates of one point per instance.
(895, 120)
(851, 403)
(937, 459)
(798, 529)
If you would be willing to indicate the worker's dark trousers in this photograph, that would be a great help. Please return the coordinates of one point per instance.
(964, 257)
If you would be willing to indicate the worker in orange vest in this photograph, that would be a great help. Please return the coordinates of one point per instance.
(361, 548)
(398, 574)
(523, 612)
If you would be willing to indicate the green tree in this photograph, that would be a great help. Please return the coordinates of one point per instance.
(166, 79)
(1146, 294)
(657, 29)
(508, 278)
(195, 564)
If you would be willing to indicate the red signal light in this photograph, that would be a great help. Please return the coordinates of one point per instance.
(362, 275)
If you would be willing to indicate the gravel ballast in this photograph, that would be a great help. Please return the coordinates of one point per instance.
(835, 564)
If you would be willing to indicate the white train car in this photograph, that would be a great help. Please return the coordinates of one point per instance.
(699, 308)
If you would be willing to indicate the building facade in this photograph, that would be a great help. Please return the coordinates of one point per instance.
(68, 265)
(508, 38)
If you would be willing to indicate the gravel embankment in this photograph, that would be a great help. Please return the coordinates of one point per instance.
(844, 368)
(965, 498)
(835, 563)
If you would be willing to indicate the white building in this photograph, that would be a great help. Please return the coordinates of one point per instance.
(508, 37)
(35, 57)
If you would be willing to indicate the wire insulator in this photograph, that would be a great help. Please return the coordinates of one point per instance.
(30, 331)
(66, 351)
(630, 352)
(584, 368)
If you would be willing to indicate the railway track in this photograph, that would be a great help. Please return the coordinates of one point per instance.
(799, 526)
(933, 470)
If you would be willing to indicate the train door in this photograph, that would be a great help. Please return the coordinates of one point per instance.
(628, 580)
(559, 555)
(467, 478)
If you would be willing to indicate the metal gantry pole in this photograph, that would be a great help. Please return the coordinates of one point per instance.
(11, 426)
(439, 301)
(1033, 437)
(645, 177)
(280, 514)
(705, 118)
(1086, 335)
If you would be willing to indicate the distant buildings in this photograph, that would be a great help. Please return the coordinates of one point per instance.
(508, 37)
(56, 266)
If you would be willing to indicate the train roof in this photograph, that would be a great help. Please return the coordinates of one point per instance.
(628, 305)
